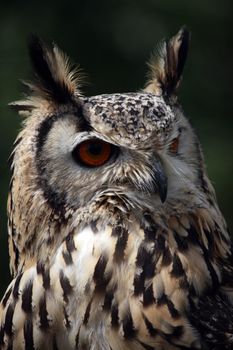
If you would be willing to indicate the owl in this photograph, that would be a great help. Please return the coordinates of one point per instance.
(116, 240)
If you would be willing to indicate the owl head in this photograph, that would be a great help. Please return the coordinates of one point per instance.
(135, 151)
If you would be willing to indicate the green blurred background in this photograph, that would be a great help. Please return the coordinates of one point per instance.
(112, 40)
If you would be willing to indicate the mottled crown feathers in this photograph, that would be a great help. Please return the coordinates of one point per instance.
(167, 64)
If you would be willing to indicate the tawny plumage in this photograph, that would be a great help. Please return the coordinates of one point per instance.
(115, 236)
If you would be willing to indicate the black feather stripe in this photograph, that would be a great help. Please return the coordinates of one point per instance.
(145, 346)
(77, 339)
(2, 336)
(27, 298)
(100, 277)
(28, 335)
(128, 327)
(42, 64)
(9, 320)
(55, 346)
(43, 314)
(66, 286)
(87, 313)
(115, 316)
(183, 51)
(151, 330)
(45, 275)
(15, 291)
(121, 243)
(6, 297)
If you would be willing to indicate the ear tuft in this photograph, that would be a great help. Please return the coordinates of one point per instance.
(55, 78)
(167, 65)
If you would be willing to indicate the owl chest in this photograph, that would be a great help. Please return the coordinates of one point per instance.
(116, 283)
(104, 268)
(102, 279)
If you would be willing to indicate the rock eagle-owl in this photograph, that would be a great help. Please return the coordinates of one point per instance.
(116, 240)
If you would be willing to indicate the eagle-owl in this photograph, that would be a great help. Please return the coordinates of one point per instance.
(116, 240)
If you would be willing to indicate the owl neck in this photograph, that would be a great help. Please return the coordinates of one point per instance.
(36, 229)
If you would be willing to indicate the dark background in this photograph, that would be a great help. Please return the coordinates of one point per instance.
(112, 40)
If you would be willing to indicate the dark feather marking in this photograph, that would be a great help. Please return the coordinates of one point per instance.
(46, 125)
(70, 246)
(2, 336)
(100, 277)
(43, 314)
(44, 129)
(55, 87)
(159, 245)
(66, 286)
(121, 243)
(166, 257)
(15, 291)
(148, 296)
(145, 346)
(15, 249)
(56, 200)
(28, 335)
(173, 311)
(183, 51)
(108, 299)
(177, 268)
(193, 236)
(45, 275)
(10, 345)
(87, 313)
(139, 283)
(6, 297)
(93, 225)
(151, 330)
(164, 300)
(149, 227)
(100, 269)
(8, 320)
(67, 257)
(175, 68)
(213, 274)
(210, 239)
(182, 242)
(115, 316)
(185, 284)
(20, 107)
(145, 261)
(27, 298)
(55, 346)
(128, 327)
(77, 339)
(178, 331)
(67, 321)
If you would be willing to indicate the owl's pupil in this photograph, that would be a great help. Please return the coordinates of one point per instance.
(95, 148)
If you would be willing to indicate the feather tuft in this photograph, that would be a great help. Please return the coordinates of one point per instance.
(167, 64)
(55, 77)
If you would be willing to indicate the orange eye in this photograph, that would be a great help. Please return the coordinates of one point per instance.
(173, 147)
(93, 153)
